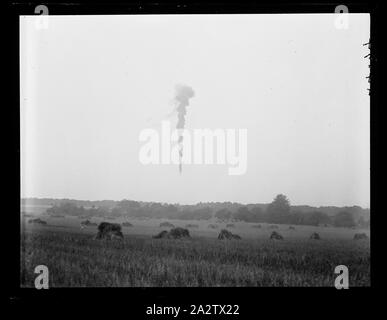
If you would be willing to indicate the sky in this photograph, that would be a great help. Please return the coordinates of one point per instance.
(91, 84)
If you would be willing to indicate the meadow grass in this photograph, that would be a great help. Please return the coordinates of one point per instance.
(77, 260)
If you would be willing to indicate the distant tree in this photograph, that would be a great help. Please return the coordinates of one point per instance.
(68, 208)
(186, 214)
(243, 214)
(117, 211)
(223, 214)
(344, 219)
(128, 205)
(258, 214)
(204, 213)
(172, 210)
(65, 208)
(297, 217)
(279, 210)
(363, 223)
(315, 218)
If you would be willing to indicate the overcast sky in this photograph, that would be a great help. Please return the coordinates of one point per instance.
(90, 84)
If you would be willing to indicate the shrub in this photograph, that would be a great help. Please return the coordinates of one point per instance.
(315, 236)
(276, 236)
(109, 231)
(360, 236)
(227, 235)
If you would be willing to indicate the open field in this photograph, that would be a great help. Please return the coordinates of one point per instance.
(150, 227)
(74, 258)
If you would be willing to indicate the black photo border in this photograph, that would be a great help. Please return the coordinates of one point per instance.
(135, 300)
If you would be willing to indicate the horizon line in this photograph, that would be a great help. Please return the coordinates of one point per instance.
(196, 203)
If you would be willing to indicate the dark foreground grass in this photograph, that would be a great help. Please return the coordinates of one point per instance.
(77, 260)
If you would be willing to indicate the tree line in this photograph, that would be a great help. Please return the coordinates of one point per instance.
(279, 211)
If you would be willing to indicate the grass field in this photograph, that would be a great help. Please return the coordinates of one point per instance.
(74, 258)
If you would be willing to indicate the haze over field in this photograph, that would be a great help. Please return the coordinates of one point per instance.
(90, 84)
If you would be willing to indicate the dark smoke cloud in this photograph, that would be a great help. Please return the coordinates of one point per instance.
(182, 96)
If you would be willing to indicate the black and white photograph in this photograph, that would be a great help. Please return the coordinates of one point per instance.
(195, 150)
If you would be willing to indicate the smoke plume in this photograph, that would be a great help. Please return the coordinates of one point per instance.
(183, 94)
